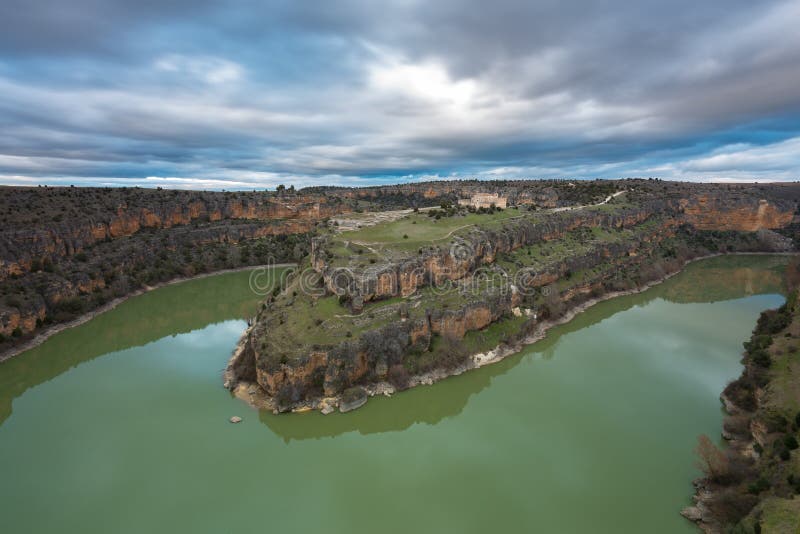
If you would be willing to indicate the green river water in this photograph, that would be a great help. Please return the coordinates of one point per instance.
(121, 425)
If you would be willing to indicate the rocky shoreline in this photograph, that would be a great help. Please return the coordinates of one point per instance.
(751, 482)
(700, 512)
(52, 330)
(256, 397)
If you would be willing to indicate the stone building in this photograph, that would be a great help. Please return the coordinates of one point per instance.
(484, 200)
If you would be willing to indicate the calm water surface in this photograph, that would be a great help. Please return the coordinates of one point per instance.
(120, 425)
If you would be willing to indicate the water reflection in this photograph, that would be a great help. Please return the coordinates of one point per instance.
(707, 281)
(167, 311)
(193, 305)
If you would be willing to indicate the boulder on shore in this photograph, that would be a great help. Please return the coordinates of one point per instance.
(352, 398)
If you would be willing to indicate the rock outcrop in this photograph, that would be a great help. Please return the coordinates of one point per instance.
(21, 248)
(711, 220)
(462, 256)
(745, 214)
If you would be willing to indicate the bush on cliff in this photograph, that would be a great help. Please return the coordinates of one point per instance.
(773, 321)
(731, 505)
(453, 353)
(725, 467)
(741, 393)
(398, 377)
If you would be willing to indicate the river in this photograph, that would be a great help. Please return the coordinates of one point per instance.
(121, 424)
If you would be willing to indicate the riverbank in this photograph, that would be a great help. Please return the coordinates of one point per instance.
(52, 330)
(753, 484)
(254, 395)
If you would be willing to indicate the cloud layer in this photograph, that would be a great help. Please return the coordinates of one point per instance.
(201, 94)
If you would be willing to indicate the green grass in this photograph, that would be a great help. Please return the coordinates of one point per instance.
(306, 322)
(780, 516)
(492, 335)
(783, 395)
(422, 229)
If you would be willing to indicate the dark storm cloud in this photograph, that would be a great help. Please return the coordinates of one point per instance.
(89, 26)
(207, 93)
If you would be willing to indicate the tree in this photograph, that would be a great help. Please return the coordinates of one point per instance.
(712, 460)
(552, 299)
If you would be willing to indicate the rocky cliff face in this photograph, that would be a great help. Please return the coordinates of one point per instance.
(463, 255)
(65, 251)
(745, 214)
(23, 247)
(330, 370)
(327, 370)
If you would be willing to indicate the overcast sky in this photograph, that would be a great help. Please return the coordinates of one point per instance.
(244, 95)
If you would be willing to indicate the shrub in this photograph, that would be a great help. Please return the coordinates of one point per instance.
(738, 425)
(773, 321)
(790, 441)
(713, 461)
(453, 353)
(741, 393)
(71, 305)
(775, 422)
(731, 506)
(762, 484)
(398, 377)
(17, 332)
(761, 358)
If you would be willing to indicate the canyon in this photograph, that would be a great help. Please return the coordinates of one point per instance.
(372, 312)
(65, 251)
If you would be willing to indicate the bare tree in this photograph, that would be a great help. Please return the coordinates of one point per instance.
(712, 461)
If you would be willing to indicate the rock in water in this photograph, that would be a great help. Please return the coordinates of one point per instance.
(352, 398)
(327, 405)
(236, 419)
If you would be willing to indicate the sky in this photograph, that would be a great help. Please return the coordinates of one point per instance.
(249, 95)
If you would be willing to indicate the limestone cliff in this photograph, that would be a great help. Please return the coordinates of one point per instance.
(23, 247)
(641, 240)
(746, 214)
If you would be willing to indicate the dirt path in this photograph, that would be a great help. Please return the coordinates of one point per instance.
(449, 234)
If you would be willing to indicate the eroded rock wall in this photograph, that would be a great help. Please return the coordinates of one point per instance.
(745, 214)
(330, 370)
(20, 247)
(462, 256)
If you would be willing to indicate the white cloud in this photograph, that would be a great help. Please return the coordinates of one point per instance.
(211, 70)
(783, 156)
